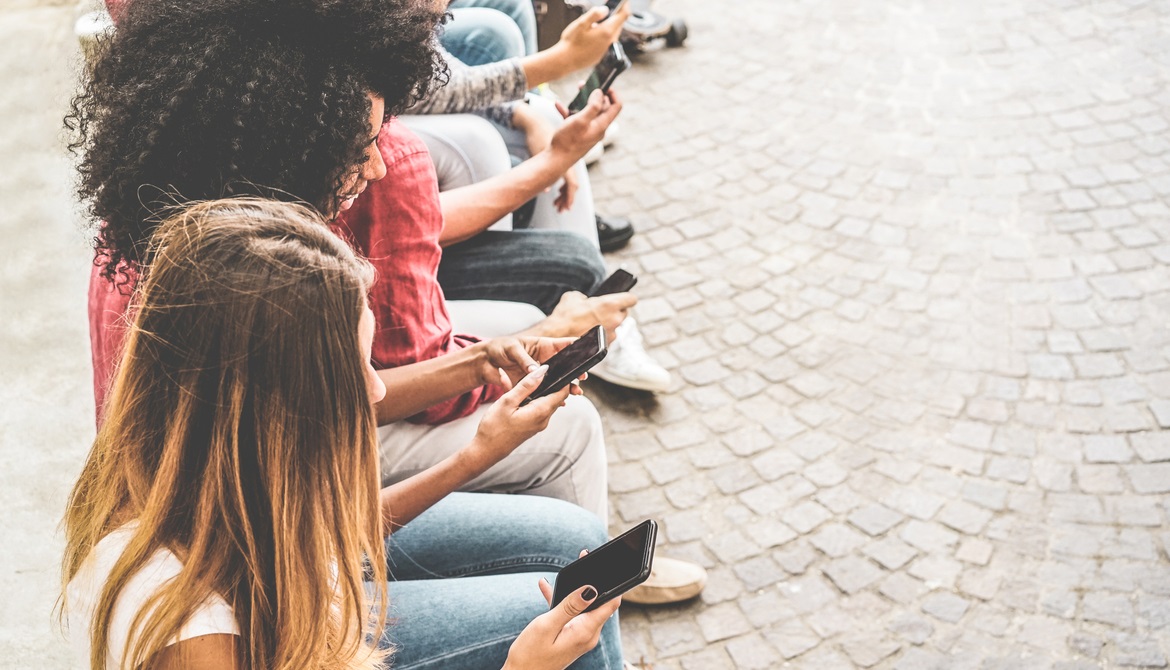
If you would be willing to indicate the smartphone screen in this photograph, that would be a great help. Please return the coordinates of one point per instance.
(618, 282)
(613, 568)
(570, 362)
(612, 64)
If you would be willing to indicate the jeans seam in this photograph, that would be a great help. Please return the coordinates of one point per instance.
(457, 652)
(503, 563)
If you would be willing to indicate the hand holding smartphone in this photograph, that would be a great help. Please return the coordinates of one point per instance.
(613, 568)
(570, 363)
(618, 282)
(614, 62)
(613, 6)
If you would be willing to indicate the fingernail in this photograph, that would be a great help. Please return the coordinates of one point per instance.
(589, 593)
(533, 367)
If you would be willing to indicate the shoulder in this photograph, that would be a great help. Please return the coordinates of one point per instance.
(213, 616)
(398, 144)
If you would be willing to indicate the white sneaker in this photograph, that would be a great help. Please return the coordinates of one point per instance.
(627, 363)
(611, 133)
(594, 154)
(671, 581)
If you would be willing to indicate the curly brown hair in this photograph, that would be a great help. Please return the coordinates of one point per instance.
(197, 100)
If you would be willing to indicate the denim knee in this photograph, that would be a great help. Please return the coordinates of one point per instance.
(479, 35)
(576, 261)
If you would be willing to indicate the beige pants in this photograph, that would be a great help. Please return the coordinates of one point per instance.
(566, 460)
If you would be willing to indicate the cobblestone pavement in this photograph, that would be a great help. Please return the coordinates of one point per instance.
(910, 265)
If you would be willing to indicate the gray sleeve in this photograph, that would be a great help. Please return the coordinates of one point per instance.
(473, 88)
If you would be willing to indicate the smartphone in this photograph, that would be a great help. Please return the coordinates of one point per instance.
(613, 568)
(570, 363)
(614, 62)
(618, 282)
(613, 6)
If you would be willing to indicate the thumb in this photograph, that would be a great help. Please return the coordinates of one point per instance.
(597, 13)
(573, 604)
(526, 386)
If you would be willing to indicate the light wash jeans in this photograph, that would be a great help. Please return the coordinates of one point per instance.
(465, 579)
(561, 252)
(465, 40)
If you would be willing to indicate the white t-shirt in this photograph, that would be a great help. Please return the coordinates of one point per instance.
(214, 616)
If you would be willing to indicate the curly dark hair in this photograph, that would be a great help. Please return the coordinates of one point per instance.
(192, 100)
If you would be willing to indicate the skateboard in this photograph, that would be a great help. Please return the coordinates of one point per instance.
(645, 30)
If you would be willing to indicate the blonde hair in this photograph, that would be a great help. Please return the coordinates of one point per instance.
(239, 434)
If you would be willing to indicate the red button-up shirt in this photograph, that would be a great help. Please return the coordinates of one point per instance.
(396, 224)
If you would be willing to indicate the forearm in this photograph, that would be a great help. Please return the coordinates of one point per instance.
(413, 388)
(469, 210)
(551, 64)
(553, 326)
(471, 88)
(404, 501)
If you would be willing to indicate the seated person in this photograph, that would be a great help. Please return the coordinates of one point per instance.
(465, 151)
(277, 109)
(491, 49)
(227, 518)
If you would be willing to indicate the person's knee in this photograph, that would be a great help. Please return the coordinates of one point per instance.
(480, 35)
(580, 416)
(575, 261)
(465, 148)
(546, 109)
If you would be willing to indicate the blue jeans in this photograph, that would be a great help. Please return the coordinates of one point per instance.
(532, 266)
(466, 40)
(465, 579)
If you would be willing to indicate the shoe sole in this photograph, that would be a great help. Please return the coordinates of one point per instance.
(617, 241)
(666, 596)
(629, 384)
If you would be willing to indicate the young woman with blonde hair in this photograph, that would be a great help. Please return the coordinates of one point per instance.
(229, 514)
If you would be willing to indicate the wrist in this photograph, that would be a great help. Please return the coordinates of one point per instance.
(555, 161)
(561, 59)
(521, 116)
(479, 365)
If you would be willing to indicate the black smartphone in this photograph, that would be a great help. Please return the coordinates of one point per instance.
(613, 568)
(613, 6)
(570, 363)
(618, 282)
(614, 62)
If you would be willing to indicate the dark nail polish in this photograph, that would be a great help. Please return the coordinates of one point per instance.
(589, 593)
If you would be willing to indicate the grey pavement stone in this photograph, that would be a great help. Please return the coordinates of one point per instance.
(902, 588)
(1152, 446)
(1113, 609)
(806, 516)
(964, 517)
(836, 540)
(945, 606)
(792, 638)
(875, 519)
(722, 621)
(974, 550)
(751, 651)
(890, 552)
(928, 536)
(851, 574)
(869, 650)
(1086, 644)
(1139, 653)
(1153, 478)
